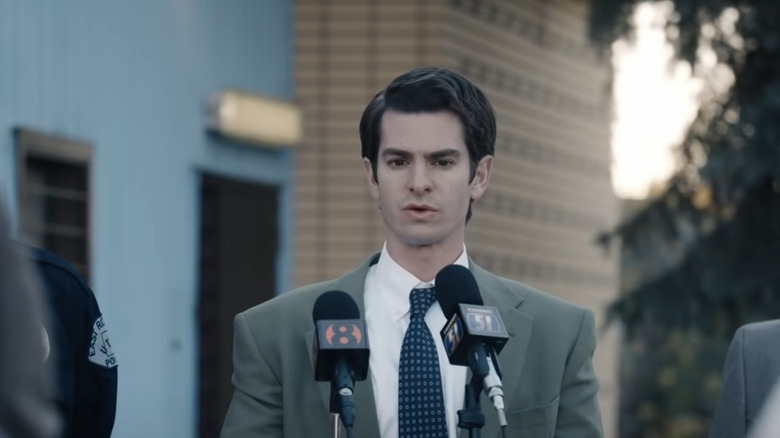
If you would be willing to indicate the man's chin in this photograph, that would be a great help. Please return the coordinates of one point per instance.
(421, 241)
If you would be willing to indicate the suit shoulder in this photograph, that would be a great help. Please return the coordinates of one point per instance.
(557, 322)
(543, 301)
(762, 333)
(294, 306)
(300, 301)
(771, 326)
(551, 314)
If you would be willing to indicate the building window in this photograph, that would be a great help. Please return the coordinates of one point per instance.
(54, 195)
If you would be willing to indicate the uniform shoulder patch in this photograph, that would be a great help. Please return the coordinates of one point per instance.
(100, 351)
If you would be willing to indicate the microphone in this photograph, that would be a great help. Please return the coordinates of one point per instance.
(340, 350)
(474, 333)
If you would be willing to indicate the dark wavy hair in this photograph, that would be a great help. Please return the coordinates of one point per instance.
(432, 89)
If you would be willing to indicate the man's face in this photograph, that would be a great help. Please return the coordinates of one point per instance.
(422, 178)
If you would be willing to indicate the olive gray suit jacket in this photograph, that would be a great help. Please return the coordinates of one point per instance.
(549, 384)
(751, 368)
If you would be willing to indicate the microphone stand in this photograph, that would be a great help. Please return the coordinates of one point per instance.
(471, 416)
(341, 402)
(336, 423)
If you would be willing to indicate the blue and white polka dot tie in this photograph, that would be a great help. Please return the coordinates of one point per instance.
(420, 398)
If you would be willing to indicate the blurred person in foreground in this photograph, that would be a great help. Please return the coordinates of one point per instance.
(751, 368)
(83, 360)
(427, 148)
(25, 391)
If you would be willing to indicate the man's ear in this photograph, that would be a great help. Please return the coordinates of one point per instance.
(373, 186)
(481, 177)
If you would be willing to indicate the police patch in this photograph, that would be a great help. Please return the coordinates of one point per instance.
(100, 351)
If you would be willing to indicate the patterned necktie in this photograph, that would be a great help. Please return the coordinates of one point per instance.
(420, 398)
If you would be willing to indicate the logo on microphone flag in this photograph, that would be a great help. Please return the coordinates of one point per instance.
(344, 334)
(482, 321)
(341, 334)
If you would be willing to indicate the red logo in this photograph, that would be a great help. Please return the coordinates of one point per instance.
(344, 334)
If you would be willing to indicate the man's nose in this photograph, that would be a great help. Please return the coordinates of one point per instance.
(420, 179)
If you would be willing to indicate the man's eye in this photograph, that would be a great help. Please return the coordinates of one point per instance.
(396, 162)
(444, 163)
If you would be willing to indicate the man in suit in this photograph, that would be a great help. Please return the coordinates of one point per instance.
(751, 368)
(427, 146)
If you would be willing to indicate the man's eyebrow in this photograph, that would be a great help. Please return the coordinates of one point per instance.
(443, 154)
(437, 155)
(396, 152)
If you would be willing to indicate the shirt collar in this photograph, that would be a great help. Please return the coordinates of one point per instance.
(395, 283)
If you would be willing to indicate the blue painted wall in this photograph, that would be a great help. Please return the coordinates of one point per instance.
(131, 78)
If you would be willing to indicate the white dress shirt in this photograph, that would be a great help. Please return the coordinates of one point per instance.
(387, 307)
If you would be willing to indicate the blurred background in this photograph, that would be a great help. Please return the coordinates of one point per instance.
(193, 158)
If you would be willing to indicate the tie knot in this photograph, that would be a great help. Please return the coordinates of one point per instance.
(421, 300)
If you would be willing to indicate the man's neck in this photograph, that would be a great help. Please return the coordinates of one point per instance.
(424, 262)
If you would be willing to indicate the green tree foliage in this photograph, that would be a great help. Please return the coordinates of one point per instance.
(706, 251)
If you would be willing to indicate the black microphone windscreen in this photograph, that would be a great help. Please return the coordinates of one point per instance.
(335, 304)
(455, 285)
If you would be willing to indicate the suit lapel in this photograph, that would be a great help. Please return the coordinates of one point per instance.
(366, 423)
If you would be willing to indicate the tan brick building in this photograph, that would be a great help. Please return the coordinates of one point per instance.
(550, 193)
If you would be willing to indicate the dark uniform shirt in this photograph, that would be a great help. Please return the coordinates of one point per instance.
(84, 362)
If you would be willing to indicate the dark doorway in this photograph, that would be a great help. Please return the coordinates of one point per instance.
(238, 247)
